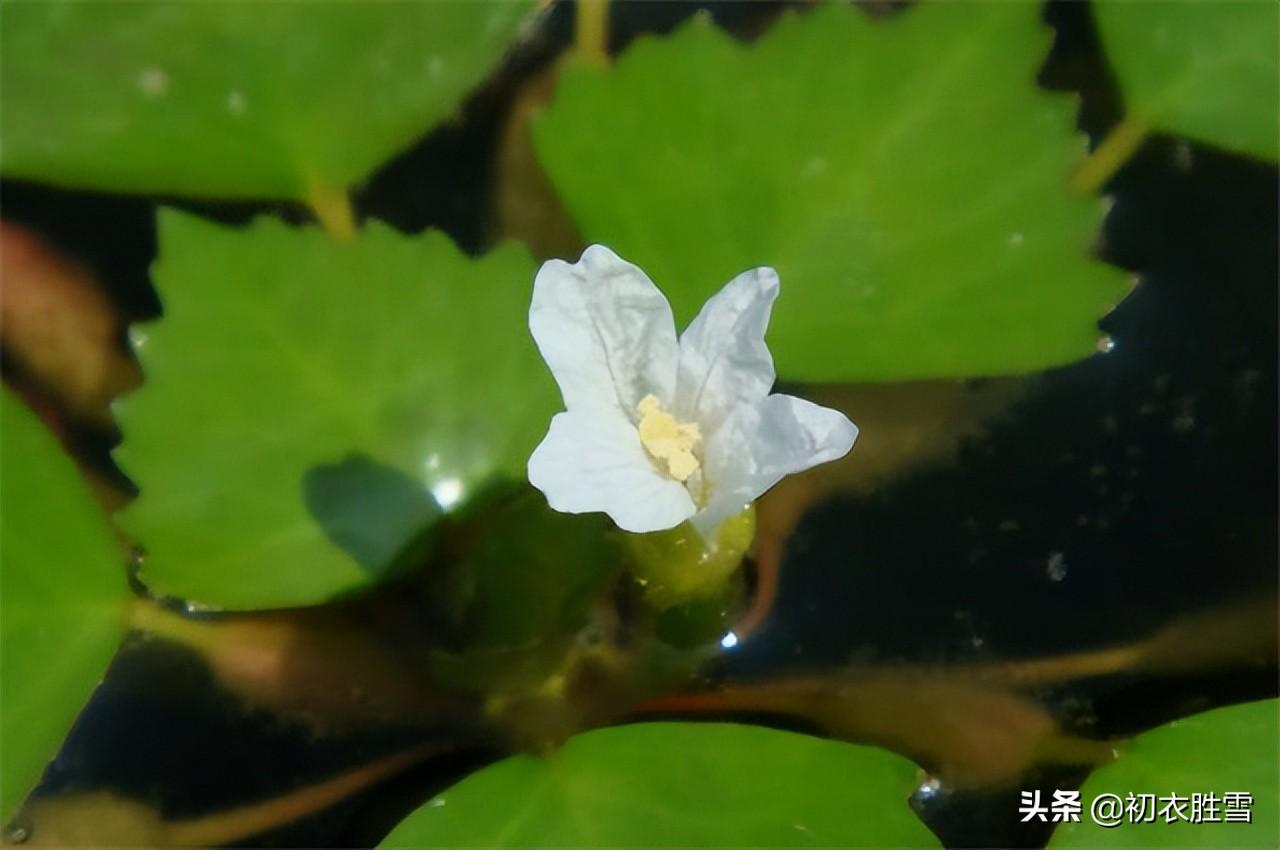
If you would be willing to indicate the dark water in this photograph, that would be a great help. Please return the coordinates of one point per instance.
(1116, 496)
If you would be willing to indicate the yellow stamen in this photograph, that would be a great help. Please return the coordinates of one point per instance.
(667, 440)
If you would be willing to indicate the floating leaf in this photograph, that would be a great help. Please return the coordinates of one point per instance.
(1219, 751)
(234, 99)
(62, 602)
(288, 372)
(1203, 70)
(679, 785)
(905, 177)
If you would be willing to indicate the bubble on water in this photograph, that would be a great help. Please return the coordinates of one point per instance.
(1056, 566)
(729, 641)
(929, 789)
(1106, 344)
(153, 82)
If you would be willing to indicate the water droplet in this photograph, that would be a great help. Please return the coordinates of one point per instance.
(1106, 344)
(437, 803)
(236, 103)
(17, 833)
(153, 82)
(447, 492)
(1056, 566)
(435, 68)
(929, 789)
(1016, 239)
(729, 641)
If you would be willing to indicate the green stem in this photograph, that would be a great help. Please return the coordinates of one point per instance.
(332, 208)
(592, 31)
(1117, 147)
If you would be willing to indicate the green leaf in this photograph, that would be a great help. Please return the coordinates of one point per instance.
(62, 602)
(1227, 749)
(1205, 70)
(905, 177)
(283, 100)
(291, 374)
(679, 785)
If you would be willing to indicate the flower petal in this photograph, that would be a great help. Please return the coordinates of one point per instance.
(591, 463)
(606, 332)
(724, 362)
(758, 445)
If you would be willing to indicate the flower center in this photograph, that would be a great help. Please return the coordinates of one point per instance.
(667, 440)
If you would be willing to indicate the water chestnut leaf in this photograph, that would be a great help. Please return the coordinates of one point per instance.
(1203, 70)
(63, 592)
(1225, 750)
(227, 100)
(679, 785)
(906, 178)
(290, 374)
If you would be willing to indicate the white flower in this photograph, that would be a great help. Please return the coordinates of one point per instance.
(658, 431)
